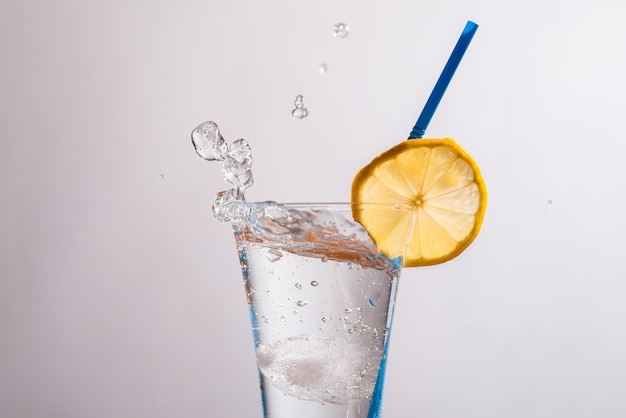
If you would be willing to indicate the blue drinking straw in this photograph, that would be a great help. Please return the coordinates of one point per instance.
(444, 80)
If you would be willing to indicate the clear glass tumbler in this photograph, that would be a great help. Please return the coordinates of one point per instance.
(321, 301)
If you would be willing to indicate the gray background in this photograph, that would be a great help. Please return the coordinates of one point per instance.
(120, 296)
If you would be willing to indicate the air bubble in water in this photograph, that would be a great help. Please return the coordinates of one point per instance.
(274, 255)
(299, 111)
(341, 30)
(208, 141)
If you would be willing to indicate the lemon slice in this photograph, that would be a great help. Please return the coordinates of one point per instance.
(428, 187)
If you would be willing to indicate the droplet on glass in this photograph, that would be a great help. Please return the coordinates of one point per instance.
(341, 30)
(314, 283)
(301, 303)
(299, 111)
(323, 68)
(208, 141)
(161, 176)
(298, 286)
(549, 202)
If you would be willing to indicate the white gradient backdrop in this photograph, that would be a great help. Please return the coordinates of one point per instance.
(120, 296)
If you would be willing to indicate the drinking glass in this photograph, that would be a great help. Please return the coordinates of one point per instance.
(321, 299)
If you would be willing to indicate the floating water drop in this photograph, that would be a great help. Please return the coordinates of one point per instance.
(323, 68)
(341, 30)
(299, 111)
(208, 141)
(549, 202)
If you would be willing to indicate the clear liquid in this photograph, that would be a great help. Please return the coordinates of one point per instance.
(320, 300)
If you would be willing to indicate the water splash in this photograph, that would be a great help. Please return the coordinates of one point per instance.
(299, 111)
(341, 30)
(237, 167)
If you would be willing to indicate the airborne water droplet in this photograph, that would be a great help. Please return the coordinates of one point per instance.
(341, 30)
(208, 141)
(299, 111)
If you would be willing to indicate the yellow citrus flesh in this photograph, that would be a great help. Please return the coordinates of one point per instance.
(439, 197)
